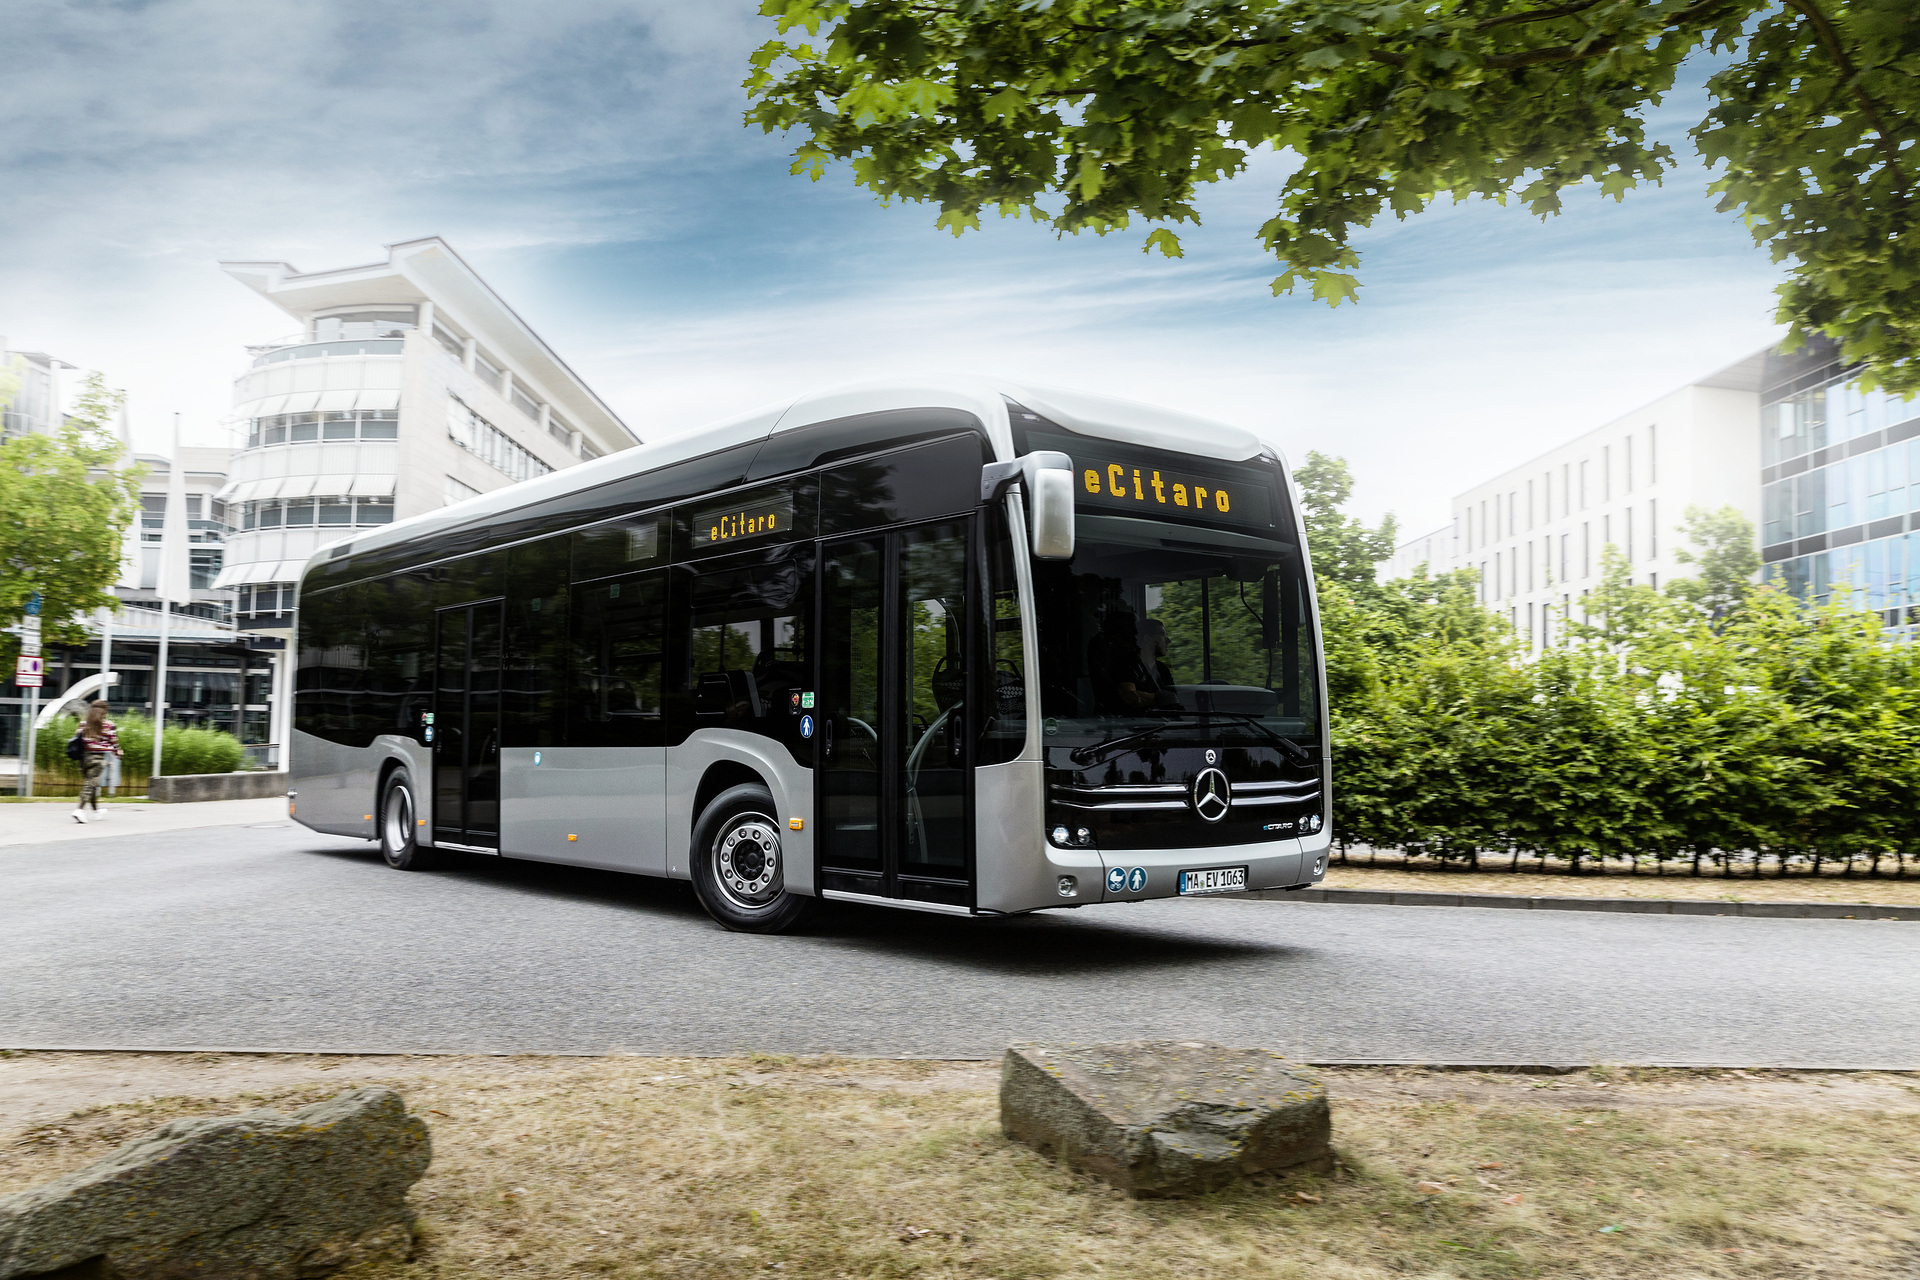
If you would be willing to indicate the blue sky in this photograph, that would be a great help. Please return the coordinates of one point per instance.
(587, 157)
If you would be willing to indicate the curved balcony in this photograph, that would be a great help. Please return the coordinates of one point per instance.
(318, 350)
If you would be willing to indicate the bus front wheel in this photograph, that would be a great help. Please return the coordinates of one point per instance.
(399, 826)
(739, 869)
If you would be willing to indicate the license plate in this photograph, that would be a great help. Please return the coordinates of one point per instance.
(1214, 880)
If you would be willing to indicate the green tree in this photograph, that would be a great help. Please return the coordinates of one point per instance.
(64, 507)
(1344, 549)
(1091, 114)
(1728, 562)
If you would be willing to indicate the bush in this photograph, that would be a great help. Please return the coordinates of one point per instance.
(1662, 731)
(184, 751)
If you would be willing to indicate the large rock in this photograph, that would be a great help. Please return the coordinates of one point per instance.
(260, 1196)
(1164, 1117)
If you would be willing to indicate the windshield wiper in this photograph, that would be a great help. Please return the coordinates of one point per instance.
(1288, 747)
(1088, 755)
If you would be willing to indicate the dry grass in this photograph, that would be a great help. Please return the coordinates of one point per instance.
(1426, 876)
(842, 1168)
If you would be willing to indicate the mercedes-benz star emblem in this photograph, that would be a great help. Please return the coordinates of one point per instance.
(1212, 795)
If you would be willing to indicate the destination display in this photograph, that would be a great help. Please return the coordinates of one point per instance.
(1139, 484)
(769, 517)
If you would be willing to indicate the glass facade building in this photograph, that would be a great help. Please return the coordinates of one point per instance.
(1840, 488)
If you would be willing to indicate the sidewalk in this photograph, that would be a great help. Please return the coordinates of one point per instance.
(53, 820)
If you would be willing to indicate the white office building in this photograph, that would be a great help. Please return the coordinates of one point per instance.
(37, 403)
(1433, 549)
(410, 384)
(1535, 533)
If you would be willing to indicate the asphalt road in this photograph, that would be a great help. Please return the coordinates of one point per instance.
(271, 937)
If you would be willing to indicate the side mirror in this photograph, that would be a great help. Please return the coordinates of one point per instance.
(1048, 477)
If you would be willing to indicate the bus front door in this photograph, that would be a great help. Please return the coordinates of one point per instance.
(466, 725)
(894, 800)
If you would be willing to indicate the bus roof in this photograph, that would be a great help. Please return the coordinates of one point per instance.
(1084, 413)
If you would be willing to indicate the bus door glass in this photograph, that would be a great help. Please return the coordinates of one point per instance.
(466, 724)
(893, 802)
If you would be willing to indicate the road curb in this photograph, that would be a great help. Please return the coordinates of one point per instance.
(1630, 906)
(1422, 1064)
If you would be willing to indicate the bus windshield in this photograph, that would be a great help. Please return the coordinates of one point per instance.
(1150, 626)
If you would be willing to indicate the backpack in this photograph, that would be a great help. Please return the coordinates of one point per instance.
(77, 746)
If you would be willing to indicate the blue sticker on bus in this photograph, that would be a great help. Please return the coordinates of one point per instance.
(536, 757)
(806, 726)
(1116, 880)
(1136, 879)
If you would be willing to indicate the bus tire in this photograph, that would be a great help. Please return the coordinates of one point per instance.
(739, 868)
(399, 825)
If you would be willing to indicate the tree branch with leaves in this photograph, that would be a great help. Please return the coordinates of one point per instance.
(1092, 115)
(65, 504)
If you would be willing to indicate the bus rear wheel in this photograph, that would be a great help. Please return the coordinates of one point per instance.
(739, 869)
(399, 827)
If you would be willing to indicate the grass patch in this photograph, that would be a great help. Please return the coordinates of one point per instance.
(849, 1168)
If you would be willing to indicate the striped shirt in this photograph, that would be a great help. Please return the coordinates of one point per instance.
(108, 741)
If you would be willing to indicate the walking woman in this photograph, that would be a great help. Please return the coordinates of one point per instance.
(101, 739)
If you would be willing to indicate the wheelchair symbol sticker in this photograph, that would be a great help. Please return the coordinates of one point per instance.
(1136, 879)
(1117, 880)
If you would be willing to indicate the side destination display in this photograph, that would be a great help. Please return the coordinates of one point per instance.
(771, 516)
(1135, 482)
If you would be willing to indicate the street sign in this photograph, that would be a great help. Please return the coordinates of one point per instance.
(29, 673)
(30, 635)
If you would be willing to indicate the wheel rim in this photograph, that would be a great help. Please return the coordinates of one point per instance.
(398, 825)
(746, 861)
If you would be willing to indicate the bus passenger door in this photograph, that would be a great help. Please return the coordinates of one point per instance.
(466, 728)
(894, 803)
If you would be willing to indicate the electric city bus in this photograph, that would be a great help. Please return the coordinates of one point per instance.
(966, 648)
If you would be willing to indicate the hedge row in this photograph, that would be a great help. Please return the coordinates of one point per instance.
(184, 750)
(1775, 733)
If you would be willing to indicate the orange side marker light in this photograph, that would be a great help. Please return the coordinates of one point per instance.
(573, 837)
(796, 824)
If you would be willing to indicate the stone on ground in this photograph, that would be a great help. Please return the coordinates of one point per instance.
(1165, 1117)
(260, 1196)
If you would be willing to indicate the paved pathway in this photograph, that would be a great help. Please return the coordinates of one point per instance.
(269, 936)
(49, 820)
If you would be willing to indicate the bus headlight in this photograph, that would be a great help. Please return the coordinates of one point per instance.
(1060, 835)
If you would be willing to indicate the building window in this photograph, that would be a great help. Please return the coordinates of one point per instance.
(451, 345)
(1653, 529)
(365, 322)
(587, 451)
(491, 445)
(1583, 484)
(297, 428)
(524, 402)
(306, 513)
(1653, 454)
(490, 373)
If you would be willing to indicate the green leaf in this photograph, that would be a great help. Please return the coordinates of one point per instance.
(1166, 242)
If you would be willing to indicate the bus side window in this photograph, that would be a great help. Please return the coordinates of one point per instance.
(619, 639)
(747, 649)
(1003, 729)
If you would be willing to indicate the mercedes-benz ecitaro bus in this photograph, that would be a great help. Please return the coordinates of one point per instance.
(968, 648)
